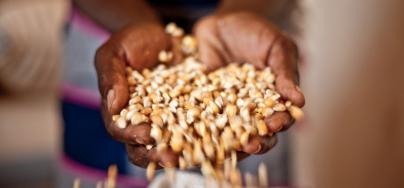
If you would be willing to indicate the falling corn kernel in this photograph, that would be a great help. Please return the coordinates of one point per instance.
(151, 169)
(296, 112)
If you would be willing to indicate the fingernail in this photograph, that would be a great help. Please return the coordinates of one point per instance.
(259, 149)
(110, 99)
(161, 164)
(298, 89)
(139, 140)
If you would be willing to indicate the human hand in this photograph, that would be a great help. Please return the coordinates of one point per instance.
(137, 46)
(247, 37)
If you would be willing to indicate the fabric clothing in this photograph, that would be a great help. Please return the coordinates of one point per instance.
(86, 141)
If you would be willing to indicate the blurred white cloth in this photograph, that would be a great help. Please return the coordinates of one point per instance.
(31, 34)
(354, 133)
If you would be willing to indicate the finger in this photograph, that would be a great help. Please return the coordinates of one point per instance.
(246, 37)
(138, 155)
(259, 144)
(168, 158)
(147, 42)
(283, 59)
(112, 80)
(209, 47)
(267, 143)
(209, 56)
(165, 158)
(139, 134)
(114, 91)
(279, 121)
(131, 134)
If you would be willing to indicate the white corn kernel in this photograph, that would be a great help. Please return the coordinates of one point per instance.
(276, 96)
(156, 119)
(176, 142)
(192, 113)
(267, 112)
(151, 169)
(165, 56)
(146, 102)
(269, 103)
(138, 118)
(231, 97)
(233, 159)
(197, 155)
(156, 133)
(219, 101)
(221, 121)
(209, 150)
(244, 138)
(296, 113)
(288, 104)
(207, 169)
(200, 128)
(173, 105)
(279, 107)
(115, 117)
(262, 127)
(189, 44)
(245, 114)
(182, 163)
(161, 147)
(174, 30)
(231, 110)
(263, 175)
(121, 123)
(123, 113)
(149, 147)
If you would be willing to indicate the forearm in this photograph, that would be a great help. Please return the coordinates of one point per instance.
(114, 15)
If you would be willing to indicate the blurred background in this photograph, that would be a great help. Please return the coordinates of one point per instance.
(352, 76)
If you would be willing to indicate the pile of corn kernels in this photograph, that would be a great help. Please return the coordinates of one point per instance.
(203, 117)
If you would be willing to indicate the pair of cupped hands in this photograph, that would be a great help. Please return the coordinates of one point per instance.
(224, 38)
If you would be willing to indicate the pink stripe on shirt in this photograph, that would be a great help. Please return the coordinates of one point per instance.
(85, 23)
(77, 94)
(81, 96)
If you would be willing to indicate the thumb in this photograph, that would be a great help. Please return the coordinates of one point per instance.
(210, 56)
(283, 59)
(112, 81)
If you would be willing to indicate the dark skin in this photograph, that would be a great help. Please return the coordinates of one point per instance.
(230, 34)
